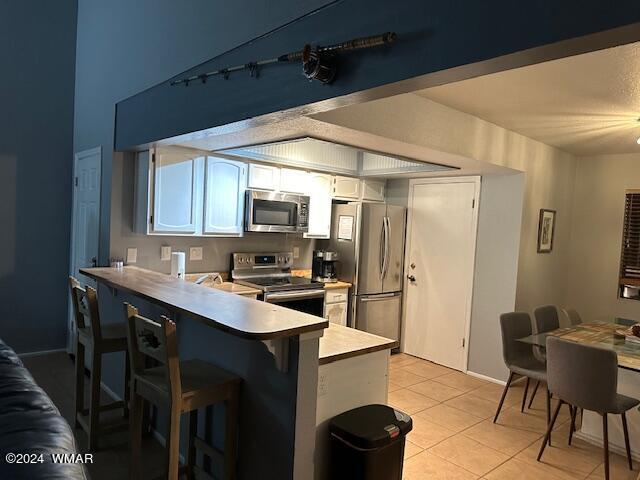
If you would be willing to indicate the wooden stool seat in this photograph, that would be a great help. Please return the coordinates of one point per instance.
(201, 383)
(181, 387)
(97, 339)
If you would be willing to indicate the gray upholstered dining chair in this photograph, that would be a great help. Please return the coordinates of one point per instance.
(586, 377)
(519, 357)
(573, 316)
(546, 319)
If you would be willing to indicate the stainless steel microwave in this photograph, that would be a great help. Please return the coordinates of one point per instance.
(276, 212)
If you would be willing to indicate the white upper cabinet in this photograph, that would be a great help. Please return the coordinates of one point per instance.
(319, 189)
(346, 187)
(175, 175)
(293, 181)
(264, 177)
(224, 188)
(373, 190)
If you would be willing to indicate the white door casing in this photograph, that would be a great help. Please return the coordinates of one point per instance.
(441, 242)
(85, 222)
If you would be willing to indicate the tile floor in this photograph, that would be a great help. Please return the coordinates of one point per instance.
(454, 437)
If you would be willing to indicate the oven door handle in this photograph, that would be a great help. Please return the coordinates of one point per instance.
(268, 297)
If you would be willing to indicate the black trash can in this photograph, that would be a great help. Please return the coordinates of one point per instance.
(367, 443)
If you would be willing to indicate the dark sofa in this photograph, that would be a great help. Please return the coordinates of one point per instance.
(31, 424)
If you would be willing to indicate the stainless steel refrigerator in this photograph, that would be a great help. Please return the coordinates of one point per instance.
(369, 239)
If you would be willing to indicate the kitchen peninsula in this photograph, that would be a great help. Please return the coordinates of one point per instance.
(280, 354)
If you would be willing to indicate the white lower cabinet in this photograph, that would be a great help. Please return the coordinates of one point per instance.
(335, 305)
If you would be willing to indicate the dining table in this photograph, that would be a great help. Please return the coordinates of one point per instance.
(606, 332)
(611, 333)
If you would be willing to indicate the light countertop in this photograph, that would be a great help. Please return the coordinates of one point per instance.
(234, 314)
(328, 286)
(339, 343)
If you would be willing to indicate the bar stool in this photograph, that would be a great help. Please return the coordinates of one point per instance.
(98, 339)
(181, 387)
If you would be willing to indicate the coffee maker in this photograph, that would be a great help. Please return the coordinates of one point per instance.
(323, 267)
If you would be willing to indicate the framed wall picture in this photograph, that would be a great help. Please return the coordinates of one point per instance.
(546, 230)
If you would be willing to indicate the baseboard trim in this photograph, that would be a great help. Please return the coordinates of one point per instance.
(487, 378)
(612, 446)
(41, 352)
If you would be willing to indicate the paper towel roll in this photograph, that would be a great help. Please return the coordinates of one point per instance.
(177, 264)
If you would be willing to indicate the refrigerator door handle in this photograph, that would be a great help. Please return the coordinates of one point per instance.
(379, 297)
(387, 250)
(383, 250)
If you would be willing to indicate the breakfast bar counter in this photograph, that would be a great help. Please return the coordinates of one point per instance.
(233, 314)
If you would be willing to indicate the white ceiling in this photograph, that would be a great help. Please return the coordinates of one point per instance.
(586, 105)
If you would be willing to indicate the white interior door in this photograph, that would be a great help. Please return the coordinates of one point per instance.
(439, 270)
(86, 218)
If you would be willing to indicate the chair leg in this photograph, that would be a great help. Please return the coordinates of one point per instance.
(545, 440)
(173, 443)
(191, 446)
(533, 395)
(127, 384)
(605, 445)
(625, 428)
(504, 394)
(136, 436)
(79, 395)
(524, 395)
(94, 399)
(548, 413)
(572, 428)
(231, 436)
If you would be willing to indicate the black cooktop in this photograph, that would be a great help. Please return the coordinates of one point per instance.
(270, 284)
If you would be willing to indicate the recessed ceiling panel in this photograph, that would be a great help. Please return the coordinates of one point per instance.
(333, 157)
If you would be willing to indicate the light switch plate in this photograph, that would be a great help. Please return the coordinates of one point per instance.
(296, 252)
(165, 254)
(195, 253)
(132, 255)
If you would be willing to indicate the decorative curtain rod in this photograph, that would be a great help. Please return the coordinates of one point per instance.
(317, 63)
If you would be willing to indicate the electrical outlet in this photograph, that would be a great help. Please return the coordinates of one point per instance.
(195, 253)
(323, 384)
(165, 254)
(132, 255)
(296, 252)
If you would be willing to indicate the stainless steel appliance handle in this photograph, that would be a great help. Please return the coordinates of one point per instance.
(387, 250)
(379, 298)
(295, 295)
(381, 252)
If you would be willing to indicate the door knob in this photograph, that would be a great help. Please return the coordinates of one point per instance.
(411, 278)
(413, 265)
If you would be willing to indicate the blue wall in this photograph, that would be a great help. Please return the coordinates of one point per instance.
(124, 47)
(37, 60)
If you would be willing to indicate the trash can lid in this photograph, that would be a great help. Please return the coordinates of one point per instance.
(371, 426)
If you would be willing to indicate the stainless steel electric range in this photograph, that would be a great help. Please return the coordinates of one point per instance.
(271, 273)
